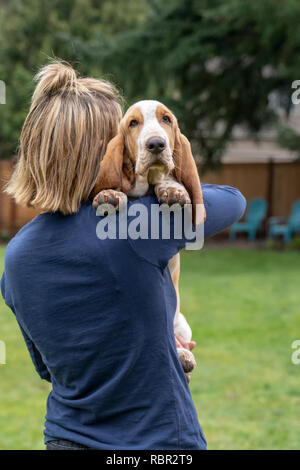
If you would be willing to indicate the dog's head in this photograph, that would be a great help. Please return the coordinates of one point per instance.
(148, 138)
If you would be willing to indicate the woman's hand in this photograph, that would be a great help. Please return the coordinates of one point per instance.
(180, 343)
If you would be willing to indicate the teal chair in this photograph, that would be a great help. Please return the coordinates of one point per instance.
(286, 230)
(256, 213)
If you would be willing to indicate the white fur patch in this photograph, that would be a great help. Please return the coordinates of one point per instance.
(140, 187)
(182, 328)
(151, 125)
(151, 128)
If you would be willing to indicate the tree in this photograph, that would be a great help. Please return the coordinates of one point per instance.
(31, 32)
(214, 62)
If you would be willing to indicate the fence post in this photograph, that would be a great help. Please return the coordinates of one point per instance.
(270, 186)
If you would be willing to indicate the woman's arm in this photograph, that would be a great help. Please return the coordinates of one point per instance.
(224, 205)
(36, 357)
(33, 351)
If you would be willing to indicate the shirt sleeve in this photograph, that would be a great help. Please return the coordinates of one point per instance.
(224, 205)
(36, 357)
(33, 351)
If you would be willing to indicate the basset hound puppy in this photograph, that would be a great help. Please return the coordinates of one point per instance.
(149, 149)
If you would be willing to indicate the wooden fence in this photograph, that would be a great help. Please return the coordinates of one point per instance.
(278, 183)
(12, 216)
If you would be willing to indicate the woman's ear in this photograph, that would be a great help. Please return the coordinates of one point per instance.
(186, 173)
(116, 170)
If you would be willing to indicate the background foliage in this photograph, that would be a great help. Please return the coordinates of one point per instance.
(31, 31)
(215, 62)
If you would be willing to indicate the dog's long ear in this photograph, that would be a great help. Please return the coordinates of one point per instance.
(186, 173)
(116, 169)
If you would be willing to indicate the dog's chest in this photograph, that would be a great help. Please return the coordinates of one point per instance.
(141, 186)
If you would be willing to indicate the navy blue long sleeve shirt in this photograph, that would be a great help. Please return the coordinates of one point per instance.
(97, 319)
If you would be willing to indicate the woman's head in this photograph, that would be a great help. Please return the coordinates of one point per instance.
(64, 137)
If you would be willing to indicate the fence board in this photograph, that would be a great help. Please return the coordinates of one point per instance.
(12, 216)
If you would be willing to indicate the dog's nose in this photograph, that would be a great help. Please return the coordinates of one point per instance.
(156, 145)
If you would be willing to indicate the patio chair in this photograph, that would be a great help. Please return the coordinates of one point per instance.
(291, 225)
(255, 214)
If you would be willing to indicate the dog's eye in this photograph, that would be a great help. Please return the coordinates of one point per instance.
(133, 123)
(166, 120)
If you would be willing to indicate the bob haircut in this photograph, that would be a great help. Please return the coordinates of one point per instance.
(63, 140)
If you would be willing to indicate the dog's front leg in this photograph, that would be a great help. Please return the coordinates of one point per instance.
(183, 331)
(110, 196)
(169, 191)
(181, 326)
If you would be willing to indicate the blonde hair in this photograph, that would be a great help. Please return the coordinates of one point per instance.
(64, 137)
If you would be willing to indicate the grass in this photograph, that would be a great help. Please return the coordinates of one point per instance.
(243, 306)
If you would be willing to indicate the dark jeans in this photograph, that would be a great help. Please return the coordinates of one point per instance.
(62, 444)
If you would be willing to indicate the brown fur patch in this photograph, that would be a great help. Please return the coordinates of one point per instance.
(170, 129)
(131, 134)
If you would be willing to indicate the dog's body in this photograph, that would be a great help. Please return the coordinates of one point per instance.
(150, 150)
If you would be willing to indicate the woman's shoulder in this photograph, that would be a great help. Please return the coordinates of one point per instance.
(47, 227)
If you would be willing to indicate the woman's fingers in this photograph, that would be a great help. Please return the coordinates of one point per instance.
(180, 343)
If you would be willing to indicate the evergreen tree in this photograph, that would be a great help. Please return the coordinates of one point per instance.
(215, 62)
(31, 32)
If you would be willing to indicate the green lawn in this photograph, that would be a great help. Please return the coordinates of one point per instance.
(243, 306)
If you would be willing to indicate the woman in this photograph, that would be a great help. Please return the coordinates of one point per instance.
(96, 315)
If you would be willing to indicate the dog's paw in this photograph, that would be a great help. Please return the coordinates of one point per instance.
(186, 359)
(109, 196)
(188, 377)
(173, 194)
